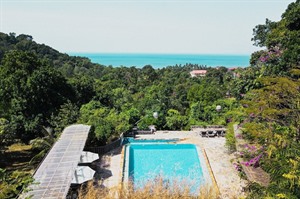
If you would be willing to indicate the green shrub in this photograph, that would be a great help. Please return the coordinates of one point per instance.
(230, 138)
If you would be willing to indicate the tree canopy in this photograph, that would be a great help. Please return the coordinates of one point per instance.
(41, 88)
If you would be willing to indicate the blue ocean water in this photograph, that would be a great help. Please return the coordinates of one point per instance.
(163, 60)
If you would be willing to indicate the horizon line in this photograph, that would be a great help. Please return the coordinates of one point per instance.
(155, 53)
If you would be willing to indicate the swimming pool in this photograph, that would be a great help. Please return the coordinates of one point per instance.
(179, 162)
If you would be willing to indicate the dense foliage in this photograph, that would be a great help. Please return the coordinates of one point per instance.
(12, 184)
(42, 91)
(273, 106)
(41, 88)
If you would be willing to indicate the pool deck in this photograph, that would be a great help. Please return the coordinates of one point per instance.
(227, 179)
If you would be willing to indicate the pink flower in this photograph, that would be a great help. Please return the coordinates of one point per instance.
(253, 148)
(245, 163)
(264, 59)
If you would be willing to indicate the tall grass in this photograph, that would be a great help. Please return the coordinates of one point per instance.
(157, 189)
(230, 138)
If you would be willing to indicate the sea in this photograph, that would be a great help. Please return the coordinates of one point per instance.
(164, 60)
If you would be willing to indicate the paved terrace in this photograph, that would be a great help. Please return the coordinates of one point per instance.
(226, 176)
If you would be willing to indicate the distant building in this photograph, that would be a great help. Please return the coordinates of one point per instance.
(198, 73)
(234, 73)
(233, 68)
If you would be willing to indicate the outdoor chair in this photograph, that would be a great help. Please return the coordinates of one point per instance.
(219, 133)
(211, 133)
(203, 133)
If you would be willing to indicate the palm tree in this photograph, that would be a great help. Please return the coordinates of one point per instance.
(44, 144)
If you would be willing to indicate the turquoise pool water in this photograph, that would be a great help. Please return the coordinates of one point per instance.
(179, 162)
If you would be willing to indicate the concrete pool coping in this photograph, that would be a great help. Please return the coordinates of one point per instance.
(212, 176)
(209, 179)
(226, 177)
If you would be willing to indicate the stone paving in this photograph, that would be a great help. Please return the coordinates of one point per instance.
(227, 179)
(115, 163)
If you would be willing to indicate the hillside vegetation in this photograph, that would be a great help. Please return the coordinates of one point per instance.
(42, 91)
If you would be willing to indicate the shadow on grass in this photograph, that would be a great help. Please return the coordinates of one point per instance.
(17, 157)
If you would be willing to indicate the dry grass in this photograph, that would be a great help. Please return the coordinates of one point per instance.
(17, 147)
(154, 190)
(17, 157)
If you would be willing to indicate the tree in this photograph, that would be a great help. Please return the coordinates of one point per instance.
(273, 107)
(217, 74)
(205, 92)
(273, 121)
(4, 135)
(67, 115)
(277, 102)
(31, 92)
(84, 89)
(12, 184)
(42, 144)
(174, 120)
(292, 16)
(108, 123)
(284, 36)
(261, 32)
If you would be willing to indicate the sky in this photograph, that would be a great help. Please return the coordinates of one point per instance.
(141, 26)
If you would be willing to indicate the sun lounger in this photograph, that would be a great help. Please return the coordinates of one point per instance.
(203, 133)
(211, 133)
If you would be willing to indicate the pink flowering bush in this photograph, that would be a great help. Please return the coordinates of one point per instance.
(253, 162)
(238, 167)
(271, 55)
(239, 136)
(252, 155)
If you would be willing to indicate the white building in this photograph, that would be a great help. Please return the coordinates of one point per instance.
(198, 73)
